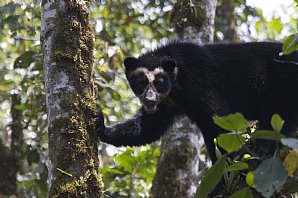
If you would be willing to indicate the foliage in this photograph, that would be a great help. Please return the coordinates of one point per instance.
(21, 73)
(271, 176)
(118, 31)
(122, 28)
(132, 172)
(211, 178)
(290, 44)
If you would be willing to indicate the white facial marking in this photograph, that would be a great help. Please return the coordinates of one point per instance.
(150, 93)
(150, 74)
(158, 70)
(141, 70)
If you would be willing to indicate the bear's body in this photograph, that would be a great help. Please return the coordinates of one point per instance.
(209, 80)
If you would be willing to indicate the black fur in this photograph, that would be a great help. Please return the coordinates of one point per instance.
(220, 79)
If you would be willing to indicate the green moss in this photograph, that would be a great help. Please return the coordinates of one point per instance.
(81, 184)
(72, 51)
(68, 188)
(66, 53)
(77, 185)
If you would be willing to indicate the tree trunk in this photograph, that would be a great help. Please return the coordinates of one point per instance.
(67, 46)
(225, 21)
(8, 176)
(17, 137)
(11, 159)
(177, 173)
(194, 20)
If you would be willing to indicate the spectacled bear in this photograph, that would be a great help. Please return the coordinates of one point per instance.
(201, 81)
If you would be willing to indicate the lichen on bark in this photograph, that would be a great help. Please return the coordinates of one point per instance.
(178, 164)
(67, 44)
(187, 13)
(192, 20)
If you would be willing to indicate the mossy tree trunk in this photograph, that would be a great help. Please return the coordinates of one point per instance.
(67, 46)
(178, 167)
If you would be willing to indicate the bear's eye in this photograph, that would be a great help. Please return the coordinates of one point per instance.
(138, 83)
(162, 84)
(158, 81)
(141, 80)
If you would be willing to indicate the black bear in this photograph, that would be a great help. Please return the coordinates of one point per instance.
(201, 81)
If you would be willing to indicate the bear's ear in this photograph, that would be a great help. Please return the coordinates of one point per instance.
(169, 65)
(130, 63)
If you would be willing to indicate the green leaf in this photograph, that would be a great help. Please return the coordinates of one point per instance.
(126, 160)
(6, 85)
(277, 123)
(115, 94)
(270, 176)
(37, 66)
(211, 178)
(21, 107)
(290, 44)
(290, 142)
(243, 193)
(217, 152)
(114, 171)
(24, 60)
(250, 179)
(232, 122)
(275, 24)
(267, 135)
(230, 141)
(237, 166)
(106, 13)
(246, 157)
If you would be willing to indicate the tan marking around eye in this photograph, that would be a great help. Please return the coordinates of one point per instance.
(141, 70)
(149, 74)
(158, 70)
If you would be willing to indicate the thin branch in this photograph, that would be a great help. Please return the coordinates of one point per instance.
(282, 61)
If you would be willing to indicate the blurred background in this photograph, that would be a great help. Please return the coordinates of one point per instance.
(122, 28)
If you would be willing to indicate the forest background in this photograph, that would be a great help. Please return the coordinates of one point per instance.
(121, 28)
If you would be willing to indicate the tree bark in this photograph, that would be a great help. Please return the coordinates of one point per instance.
(177, 173)
(11, 159)
(194, 20)
(67, 46)
(225, 21)
(8, 176)
(17, 136)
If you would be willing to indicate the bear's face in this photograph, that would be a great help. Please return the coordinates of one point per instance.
(150, 83)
